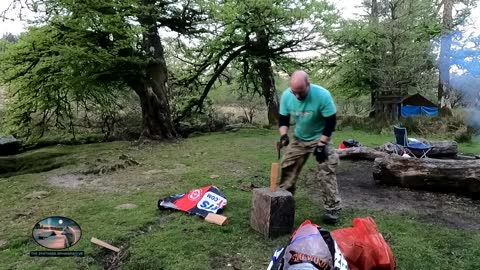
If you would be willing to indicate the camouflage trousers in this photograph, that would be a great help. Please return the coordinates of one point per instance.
(294, 159)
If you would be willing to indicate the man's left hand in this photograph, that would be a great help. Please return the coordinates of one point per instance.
(321, 152)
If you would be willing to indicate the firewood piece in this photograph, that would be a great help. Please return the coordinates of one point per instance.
(272, 213)
(104, 244)
(274, 177)
(216, 219)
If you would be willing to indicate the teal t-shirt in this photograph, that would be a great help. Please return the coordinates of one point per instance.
(308, 114)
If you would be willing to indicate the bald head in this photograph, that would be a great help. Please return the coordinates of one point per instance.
(299, 84)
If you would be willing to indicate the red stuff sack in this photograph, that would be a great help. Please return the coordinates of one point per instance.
(363, 246)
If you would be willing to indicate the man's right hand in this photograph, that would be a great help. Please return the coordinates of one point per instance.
(284, 140)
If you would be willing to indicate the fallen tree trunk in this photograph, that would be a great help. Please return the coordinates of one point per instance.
(447, 149)
(443, 149)
(460, 176)
(361, 152)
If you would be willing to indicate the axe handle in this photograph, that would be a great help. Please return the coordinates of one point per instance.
(279, 146)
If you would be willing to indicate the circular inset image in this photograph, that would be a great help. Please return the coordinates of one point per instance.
(56, 232)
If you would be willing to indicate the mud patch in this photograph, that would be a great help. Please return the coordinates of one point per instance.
(358, 190)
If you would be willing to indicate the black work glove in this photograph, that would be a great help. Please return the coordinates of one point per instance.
(321, 153)
(284, 140)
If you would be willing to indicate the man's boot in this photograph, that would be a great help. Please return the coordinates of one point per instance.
(330, 217)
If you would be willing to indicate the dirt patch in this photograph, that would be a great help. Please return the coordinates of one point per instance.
(358, 190)
(80, 181)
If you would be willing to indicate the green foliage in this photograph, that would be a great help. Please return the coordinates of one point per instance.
(250, 41)
(389, 51)
(85, 59)
(49, 82)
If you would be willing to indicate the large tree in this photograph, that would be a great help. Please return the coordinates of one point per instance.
(386, 53)
(256, 38)
(450, 22)
(86, 44)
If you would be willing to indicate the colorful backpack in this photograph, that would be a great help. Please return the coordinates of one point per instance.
(310, 248)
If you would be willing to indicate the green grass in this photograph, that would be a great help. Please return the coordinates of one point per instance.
(174, 240)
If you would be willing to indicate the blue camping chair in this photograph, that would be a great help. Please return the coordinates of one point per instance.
(411, 146)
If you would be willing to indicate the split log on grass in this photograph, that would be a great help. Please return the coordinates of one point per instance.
(361, 152)
(104, 244)
(459, 176)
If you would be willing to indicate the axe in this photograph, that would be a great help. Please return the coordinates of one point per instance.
(279, 146)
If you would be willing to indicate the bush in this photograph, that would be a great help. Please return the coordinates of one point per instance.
(464, 135)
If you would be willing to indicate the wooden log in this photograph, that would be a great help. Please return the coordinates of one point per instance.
(443, 149)
(448, 149)
(274, 176)
(216, 219)
(459, 176)
(104, 244)
(361, 152)
(272, 213)
(463, 157)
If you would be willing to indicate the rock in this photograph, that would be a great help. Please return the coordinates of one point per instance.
(9, 145)
(124, 157)
(126, 206)
(37, 195)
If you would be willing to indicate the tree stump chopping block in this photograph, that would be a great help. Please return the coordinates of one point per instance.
(273, 213)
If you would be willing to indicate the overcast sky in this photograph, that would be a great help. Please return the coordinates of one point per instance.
(348, 8)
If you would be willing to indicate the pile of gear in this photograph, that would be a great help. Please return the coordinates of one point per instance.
(311, 247)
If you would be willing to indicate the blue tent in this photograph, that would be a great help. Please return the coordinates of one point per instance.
(418, 105)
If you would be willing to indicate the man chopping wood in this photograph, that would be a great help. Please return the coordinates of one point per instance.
(314, 112)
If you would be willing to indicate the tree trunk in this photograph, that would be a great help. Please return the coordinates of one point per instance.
(269, 91)
(265, 71)
(460, 176)
(152, 89)
(444, 61)
(374, 17)
(156, 117)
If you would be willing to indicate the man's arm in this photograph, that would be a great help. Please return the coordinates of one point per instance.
(329, 113)
(284, 124)
(330, 123)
